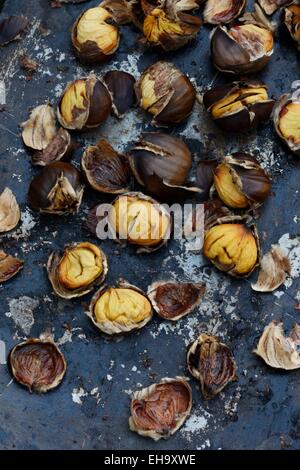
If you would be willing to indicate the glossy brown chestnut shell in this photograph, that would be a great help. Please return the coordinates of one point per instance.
(173, 300)
(286, 118)
(216, 12)
(131, 309)
(161, 164)
(166, 93)
(121, 86)
(160, 410)
(85, 103)
(239, 106)
(11, 28)
(212, 364)
(61, 267)
(106, 170)
(38, 365)
(9, 266)
(241, 182)
(57, 189)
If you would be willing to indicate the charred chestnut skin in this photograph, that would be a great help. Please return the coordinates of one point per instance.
(121, 86)
(37, 364)
(42, 185)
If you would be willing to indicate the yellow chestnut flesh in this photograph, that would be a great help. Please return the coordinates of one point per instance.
(122, 305)
(74, 100)
(289, 122)
(157, 23)
(255, 40)
(227, 189)
(238, 100)
(93, 26)
(232, 247)
(139, 221)
(80, 266)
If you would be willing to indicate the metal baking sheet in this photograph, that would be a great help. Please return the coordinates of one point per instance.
(90, 409)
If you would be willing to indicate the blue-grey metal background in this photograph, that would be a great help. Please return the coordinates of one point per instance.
(262, 410)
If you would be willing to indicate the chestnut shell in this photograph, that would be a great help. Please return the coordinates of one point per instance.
(121, 86)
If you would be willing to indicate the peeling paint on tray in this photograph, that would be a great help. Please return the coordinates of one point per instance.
(79, 394)
(196, 424)
(21, 312)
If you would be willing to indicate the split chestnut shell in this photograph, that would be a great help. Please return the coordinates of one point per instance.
(239, 106)
(10, 213)
(121, 86)
(38, 365)
(286, 118)
(173, 300)
(216, 12)
(212, 364)
(291, 19)
(9, 266)
(120, 310)
(160, 410)
(77, 270)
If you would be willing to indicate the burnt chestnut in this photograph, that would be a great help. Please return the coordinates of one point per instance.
(105, 169)
(243, 48)
(286, 118)
(239, 106)
(121, 87)
(161, 164)
(216, 12)
(85, 103)
(166, 93)
(57, 189)
(95, 37)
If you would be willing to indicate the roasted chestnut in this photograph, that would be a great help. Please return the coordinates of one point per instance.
(11, 28)
(161, 164)
(286, 117)
(85, 103)
(121, 87)
(276, 349)
(119, 310)
(212, 363)
(40, 133)
(292, 21)
(57, 189)
(140, 220)
(167, 24)
(241, 182)
(9, 266)
(9, 211)
(38, 365)
(160, 410)
(95, 37)
(245, 47)
(239, 106)
(270, 6)
(233, 248)
(216, 12)
(77, 270)
(105, 169)
(173, 300)
(166, 93)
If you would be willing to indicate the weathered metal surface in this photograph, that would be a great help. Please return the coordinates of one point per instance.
(262, 409)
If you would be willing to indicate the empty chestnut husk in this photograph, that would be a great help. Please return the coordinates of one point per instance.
(212, 364)
(161, 164)
(40, 133)
(291, 18)
(121, 86)
(119, 310)
(216, 12)
(85, 103)
(165, 24)
(10, 213)
(270, 6)
(241, 182)
(286, 118)
(173, 300)
(166, 93)
(105, 169)
(77, 270)
(9, 266)
(233, 247)
(245, 47)
(239, 106)
(37, 364)
(57, 189)
(95, 36)
(160, 410)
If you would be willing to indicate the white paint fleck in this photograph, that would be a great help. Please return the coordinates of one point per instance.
(109, 377)
(196, 424)
(134, 368)
(78, 394)
(21, 312)
(66, 338)
(291, 245)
